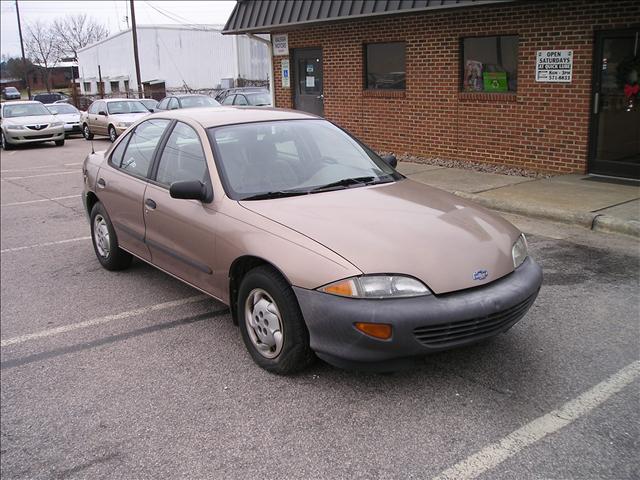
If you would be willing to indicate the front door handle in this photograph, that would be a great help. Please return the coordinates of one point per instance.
(151, 205)
(101, 183)
(596, 103)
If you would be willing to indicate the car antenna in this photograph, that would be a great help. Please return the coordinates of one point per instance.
(92, 149)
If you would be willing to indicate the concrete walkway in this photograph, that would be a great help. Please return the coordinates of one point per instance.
(595, 203)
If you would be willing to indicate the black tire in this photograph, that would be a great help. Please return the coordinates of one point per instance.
(86, 132)
(112, 133)
(59, 143)
(5, 144)
(296, 354)
(116, 258)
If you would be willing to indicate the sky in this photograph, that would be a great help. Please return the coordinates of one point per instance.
(111, 13)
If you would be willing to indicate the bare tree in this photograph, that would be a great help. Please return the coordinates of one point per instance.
(74, 32)
(42, 48)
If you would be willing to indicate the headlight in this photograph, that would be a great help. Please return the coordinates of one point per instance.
(377, 286)
(56, 124)
(519, 251)
(15, 127)
(123, 124)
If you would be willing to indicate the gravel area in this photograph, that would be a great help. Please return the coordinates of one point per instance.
(468, 165)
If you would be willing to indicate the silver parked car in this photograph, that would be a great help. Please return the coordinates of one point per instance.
(69, 115)
(29, 122)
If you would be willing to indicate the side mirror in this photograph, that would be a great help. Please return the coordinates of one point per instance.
(391, 160)
(54, 113)
(190, 190)
(151, 110)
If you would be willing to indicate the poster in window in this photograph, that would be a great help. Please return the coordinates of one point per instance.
(495, 81)
(311, 82)
(473, 76)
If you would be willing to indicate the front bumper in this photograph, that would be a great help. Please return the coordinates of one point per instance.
(421, 325)
(26, 136)
(72, 128)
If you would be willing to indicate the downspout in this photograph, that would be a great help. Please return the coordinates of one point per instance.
(272, 82)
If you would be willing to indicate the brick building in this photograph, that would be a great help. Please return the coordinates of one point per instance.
(544, 85)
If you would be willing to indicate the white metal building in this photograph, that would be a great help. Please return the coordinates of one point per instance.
(191, 56)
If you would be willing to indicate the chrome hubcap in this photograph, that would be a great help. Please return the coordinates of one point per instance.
(263, 322)
(112, 134)
(101, 236)
(86, 131)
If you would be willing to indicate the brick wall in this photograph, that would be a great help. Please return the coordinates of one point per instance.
(542, 127)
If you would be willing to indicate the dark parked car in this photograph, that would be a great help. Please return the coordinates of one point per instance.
(187, 100)
(10, 93)
(150, 103)
(254, 99)
(50, 97)
(230, 91)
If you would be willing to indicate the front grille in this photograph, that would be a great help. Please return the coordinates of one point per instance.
(467, 330)
(38, 137)
(37, 127)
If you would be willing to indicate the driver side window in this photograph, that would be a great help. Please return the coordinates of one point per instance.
(228, 100)
(142, 145)
(182, 158)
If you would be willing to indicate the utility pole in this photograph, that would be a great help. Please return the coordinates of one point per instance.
(24, 61)
(135, 49)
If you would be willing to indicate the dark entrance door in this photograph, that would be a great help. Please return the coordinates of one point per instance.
(308, 80)
(615, 121)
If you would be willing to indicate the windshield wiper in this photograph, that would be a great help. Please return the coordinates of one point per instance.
(345, 182)
(275, 194)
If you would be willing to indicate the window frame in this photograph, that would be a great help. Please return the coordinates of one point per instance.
(365, 70)
(158, 156)
(127, 138)
(461, 66)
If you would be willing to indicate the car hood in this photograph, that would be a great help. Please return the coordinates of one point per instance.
(31, 120)
(403, 227)
(68, 117)
(127, 117)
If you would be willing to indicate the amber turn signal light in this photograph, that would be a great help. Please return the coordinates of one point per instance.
(376, 330)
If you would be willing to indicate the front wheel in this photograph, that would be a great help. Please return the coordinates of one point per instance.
(105, 242)
(5, 144)
(271, 323)
(112, 133)
(59, 143)
(86, 132)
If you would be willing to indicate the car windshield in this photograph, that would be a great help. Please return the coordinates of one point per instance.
(25, 110)
(132, 106)
(11, 90)
(293, 157)
(198, 101)
(149, 103)
(62, 108)
(259, 99)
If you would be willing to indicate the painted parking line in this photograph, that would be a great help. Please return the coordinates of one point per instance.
(72, 164)
(46, 244)
(40, 167)
(73, 172)
(496, 453)
(29, 202)
(101, 320)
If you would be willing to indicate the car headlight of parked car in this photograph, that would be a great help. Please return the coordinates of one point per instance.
(377, 286)
(123, 124)
(15, 127)
(519, 251)
(57, 124)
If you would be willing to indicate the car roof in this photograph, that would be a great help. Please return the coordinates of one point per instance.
(220, 116)
(20, 102)
(109, 100)
(183, 95)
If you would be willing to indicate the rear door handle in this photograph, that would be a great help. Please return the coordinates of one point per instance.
(151, 205)
(101, 183)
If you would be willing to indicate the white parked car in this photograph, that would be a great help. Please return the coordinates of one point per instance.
(69, 115)
(29, 122)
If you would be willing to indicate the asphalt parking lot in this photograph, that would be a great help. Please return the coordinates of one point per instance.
(135, 375)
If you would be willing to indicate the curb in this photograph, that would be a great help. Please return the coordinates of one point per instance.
(592, 221)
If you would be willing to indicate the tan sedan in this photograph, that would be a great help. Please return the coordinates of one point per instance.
(318, 245)
(111, 117)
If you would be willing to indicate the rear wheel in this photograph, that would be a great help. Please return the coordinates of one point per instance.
(5, 144)
(86, 132)
(271, 323)
(112, 133)
(105, 242)
(59, 143)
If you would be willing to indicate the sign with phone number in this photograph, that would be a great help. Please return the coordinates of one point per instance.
(554, 66)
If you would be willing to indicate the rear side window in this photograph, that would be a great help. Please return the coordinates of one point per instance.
(241, 100)
(173, 104)
(182, 157)
(228, 100)
(144, 140)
